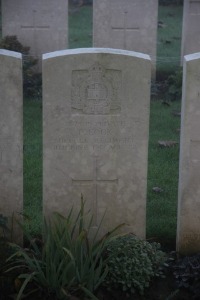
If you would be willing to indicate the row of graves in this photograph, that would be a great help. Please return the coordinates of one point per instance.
(96, 105)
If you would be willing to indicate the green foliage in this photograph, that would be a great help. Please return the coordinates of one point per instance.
(66, 262)
(10, 42)
(174, 83)
(3, 226)
(32, 81)
(170, 2)
(6, 281)
(187, 274)
(132, 263)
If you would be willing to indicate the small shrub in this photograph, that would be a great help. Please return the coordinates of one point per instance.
(32, 81)
(174, 83)
(66, 263)
(187, 274)
(6, 280)
(132, 263)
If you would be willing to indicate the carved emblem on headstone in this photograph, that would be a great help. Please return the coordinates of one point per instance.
(96, 91)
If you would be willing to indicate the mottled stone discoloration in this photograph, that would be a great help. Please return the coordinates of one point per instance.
(11, 138)
(188, 237)
(100, 152)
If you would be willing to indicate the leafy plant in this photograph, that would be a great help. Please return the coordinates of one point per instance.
(3, 226)
(132, 263)
(32, 81)
(187, 274)
(174, 83)
(66, 263)
(6, 280)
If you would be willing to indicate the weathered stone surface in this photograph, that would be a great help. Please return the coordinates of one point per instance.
(96, 121)
(39, 24)
(126, 24)
(11, 124)
(188, 233)
(191, 27)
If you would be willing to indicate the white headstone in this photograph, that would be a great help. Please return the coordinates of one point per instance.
(40, 24)
(191, 27)
(96, 122)
(11, 134)
(188, 233)
(126, 24)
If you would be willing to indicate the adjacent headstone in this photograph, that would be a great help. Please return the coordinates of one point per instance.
(96, 122)
(188, 233)
(40, 24)
(126, 24)
(11, 145)
(191, 27)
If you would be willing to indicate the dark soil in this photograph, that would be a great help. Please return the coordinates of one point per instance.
(160, 289)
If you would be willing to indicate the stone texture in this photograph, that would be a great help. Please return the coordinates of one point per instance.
(191, 27)
(11, 145)
(126, 24)
(188, 233)
(39, 24)
(96, 121)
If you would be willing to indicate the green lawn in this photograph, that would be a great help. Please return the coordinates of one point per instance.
(163, 162)
(163, 172)
(169, 39)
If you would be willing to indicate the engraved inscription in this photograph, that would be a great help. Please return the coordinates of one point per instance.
(102, 135)
(96, 91)
(95, 181)
(190, 239)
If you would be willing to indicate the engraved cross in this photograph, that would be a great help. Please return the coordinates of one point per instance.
(34, 25)
(125, 28)
(94, 181)
(35, 28)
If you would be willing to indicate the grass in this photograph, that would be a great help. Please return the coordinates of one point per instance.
(163, 162)
(80, 27)
(163, 173)
(33, 165)
(169, 40)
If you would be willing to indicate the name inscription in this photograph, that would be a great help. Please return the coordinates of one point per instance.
(82, 136)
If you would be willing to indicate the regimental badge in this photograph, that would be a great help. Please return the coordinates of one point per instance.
(96, 91)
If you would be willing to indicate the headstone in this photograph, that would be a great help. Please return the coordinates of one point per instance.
(191, 27)
(11, 124)
(126, 24)
(96, 122)
(188, 233)
(40, 24)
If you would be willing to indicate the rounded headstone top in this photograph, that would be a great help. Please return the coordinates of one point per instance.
(10, 53)
(95, 50)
